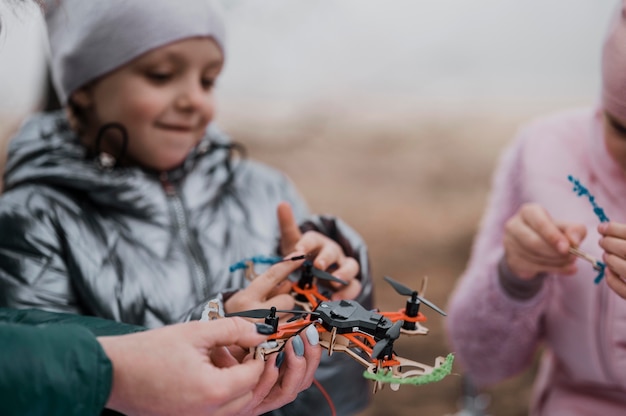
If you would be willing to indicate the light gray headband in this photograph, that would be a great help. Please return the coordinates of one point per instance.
(91, 38)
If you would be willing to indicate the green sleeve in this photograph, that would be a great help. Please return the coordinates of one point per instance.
(52, 370)
(98, 326)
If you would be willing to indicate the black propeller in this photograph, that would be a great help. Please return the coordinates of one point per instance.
(262, 313)
(405, 291)
(301, 257)
(321, 274)
(384, 347)
(269, 315)
(308, 272)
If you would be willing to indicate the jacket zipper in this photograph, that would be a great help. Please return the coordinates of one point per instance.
(195, 254)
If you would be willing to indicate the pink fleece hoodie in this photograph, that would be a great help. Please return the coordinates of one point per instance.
(582, 325)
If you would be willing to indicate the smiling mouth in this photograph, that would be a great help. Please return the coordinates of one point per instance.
(182, 129)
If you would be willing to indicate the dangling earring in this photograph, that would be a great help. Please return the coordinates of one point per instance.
(106, 160)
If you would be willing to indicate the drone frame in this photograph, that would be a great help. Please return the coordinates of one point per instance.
(355, 342)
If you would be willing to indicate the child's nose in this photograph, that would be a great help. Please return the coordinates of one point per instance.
(191, 97)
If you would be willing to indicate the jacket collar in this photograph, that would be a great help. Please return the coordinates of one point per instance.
(47, 152)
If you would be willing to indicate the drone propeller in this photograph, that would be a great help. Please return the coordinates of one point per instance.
(405, 291)
(269, 315)
(321, 274)
(384, 347)
(262, 313)
(308, 272)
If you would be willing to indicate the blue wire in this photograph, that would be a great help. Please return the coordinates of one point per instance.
(242, 264)
(582, 191)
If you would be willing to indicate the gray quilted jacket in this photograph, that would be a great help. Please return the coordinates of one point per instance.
(149, 249)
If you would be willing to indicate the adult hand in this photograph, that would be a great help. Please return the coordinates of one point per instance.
(329, 255)
(286, 374)
(534, 243)
(613, 242)
(169, 370)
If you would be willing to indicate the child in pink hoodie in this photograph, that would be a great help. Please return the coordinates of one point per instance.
(523, 290)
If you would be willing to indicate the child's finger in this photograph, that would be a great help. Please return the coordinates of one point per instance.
(266, 282)
(289, 229)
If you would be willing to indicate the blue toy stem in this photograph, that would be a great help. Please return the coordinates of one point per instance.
(582, 191)
(600, 273)
(242, 264)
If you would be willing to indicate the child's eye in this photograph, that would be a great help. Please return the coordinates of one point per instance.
(208, 83)
(618, 127)
(159, 76)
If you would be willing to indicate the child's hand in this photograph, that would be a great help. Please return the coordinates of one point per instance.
(268, 289)
(613, 242)
(534, 243)
(327, 253)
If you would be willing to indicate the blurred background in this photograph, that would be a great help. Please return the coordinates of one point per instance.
(390, 114)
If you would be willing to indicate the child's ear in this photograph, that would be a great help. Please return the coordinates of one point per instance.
(82, 98)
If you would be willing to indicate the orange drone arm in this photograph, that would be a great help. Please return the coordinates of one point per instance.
(354, 338)
(400, 315)
(288, 330)
(389, 363)
(356, 341)
(311, 293)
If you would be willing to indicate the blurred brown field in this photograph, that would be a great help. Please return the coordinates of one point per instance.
(414, 186)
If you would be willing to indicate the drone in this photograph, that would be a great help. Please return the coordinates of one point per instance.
(346, 326)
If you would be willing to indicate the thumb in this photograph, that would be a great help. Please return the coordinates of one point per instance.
(289, 230)
(575, 233)
(229, 331)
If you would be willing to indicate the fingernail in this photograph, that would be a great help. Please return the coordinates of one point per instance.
(562, 246)
(298, 346)
(321, 264)
(312, 335)
(602, 227)
(280, 358)
(264, 329)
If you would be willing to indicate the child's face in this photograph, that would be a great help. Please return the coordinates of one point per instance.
(615, 139)
(164, 98)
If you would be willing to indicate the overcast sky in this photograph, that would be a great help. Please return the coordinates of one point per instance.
(303, 50)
